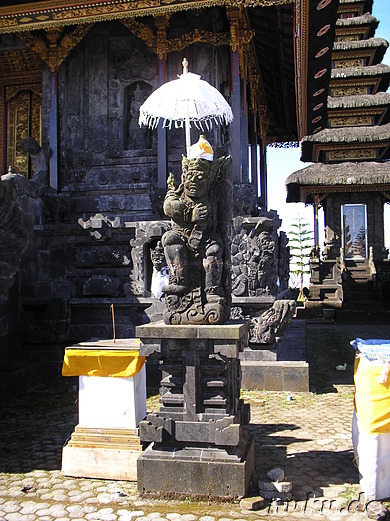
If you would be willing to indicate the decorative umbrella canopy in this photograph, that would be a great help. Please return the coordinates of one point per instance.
(184, 101)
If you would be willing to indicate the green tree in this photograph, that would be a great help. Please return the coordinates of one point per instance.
(301, 243)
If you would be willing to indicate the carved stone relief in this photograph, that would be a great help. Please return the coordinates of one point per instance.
(136, 138)
(255, 261)
(270, 326)
(108, 256)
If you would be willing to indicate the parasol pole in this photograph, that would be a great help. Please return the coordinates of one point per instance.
(187, 118)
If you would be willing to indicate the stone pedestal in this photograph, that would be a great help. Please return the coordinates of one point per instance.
(105, 443)
(199, 447)
(279, 366)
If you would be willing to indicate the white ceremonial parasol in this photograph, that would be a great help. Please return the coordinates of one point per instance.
(188, 99)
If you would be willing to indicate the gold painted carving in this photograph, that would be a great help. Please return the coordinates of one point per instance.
(18, 119)
(142, 31)
(70, 40)
(342, 64)
(352, 90)
(196, 36)
(352, 154)
(36, 44)
(22, 63)
(56, 48)
(11, 91)
(58, 13)
(24, 119)
(162, 24)
(352, 121)
(347, 38)
(106, 12)
(234, 17)
(163, 46)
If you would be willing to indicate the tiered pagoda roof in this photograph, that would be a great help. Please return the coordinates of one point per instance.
(358, 128)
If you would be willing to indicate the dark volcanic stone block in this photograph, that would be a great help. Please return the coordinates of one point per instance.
(195, 472)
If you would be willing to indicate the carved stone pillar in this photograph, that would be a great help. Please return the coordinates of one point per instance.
(198, 444)
(234, 15)
(162, 23)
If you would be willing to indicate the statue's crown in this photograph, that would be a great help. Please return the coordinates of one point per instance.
(201, 149)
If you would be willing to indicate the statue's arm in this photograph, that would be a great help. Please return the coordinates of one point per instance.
(174, 208)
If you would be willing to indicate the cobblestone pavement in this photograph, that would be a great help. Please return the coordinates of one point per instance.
(307, 434)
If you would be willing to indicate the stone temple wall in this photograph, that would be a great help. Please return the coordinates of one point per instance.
(107, 162)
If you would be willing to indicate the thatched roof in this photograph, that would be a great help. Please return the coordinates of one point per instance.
(359, 72)
(340, 174)
(367, 3)
(370, 43)
(360, 44)
(355, 136)
(363, 101)
(350, 135)
(357, 20)
(376, 47)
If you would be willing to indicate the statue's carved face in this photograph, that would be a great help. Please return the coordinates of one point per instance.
(196, 182)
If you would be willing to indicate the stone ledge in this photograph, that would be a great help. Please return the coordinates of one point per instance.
(232, 330)
(275, 376)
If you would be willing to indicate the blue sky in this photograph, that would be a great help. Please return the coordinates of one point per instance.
(283, 162)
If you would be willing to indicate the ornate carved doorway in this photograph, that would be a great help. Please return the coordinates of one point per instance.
(354, 230)
(20, 108)
(23, 117)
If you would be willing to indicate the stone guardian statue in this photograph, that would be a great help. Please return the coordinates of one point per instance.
(197, 247)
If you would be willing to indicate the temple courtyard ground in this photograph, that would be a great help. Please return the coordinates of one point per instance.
(308, 435)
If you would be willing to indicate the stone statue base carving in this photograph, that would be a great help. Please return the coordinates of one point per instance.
(189, 309)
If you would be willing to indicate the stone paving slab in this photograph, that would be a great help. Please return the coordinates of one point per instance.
(306, 434)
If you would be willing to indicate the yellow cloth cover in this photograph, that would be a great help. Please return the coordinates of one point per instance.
(102, 362)
(372, 399)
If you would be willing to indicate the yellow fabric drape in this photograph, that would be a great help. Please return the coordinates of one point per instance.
(372, 399)
(102, 362)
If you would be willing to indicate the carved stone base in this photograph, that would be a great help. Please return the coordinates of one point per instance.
(281, 369)
(275, 376)
(196, 472)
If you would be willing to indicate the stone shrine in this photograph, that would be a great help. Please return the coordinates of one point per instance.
(199, 446)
